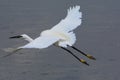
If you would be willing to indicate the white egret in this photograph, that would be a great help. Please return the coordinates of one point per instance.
(61, 35)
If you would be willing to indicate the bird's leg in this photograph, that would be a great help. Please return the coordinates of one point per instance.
(81, 60)
(87, 55)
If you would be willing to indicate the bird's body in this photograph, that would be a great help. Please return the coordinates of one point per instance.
(61, 35)
(49, 37)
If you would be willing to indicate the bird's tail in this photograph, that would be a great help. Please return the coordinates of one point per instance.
(72, 38)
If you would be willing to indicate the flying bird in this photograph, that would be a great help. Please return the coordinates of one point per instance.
(60, 35)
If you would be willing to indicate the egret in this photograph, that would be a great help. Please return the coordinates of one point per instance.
(60, 35)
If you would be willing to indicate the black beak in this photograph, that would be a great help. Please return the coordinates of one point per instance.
(15, 37)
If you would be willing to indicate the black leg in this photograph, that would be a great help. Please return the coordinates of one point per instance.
(81, 60)
(87, 55)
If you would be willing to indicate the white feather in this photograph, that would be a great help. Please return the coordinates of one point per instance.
(27, 38)
(62, 33)
(70, 39)
(72, 20)
(41, 42)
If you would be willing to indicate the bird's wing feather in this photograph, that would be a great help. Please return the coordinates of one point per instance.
(41, 42)
(72, 20)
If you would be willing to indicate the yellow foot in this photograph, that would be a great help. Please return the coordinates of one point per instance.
(91, 57)
(84, 62)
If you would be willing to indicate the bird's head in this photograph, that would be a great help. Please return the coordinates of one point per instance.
(24, 36)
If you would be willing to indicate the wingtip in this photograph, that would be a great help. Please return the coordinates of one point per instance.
(11, 49)
(74, 7)
(77, 6)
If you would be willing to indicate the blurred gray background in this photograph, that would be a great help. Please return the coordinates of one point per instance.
(99, 35)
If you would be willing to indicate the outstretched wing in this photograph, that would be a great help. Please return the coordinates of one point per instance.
(41, 42)
(72, 20)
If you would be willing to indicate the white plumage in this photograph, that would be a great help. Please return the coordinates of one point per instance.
(61, 34)
(72, 20)
(41, 42)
